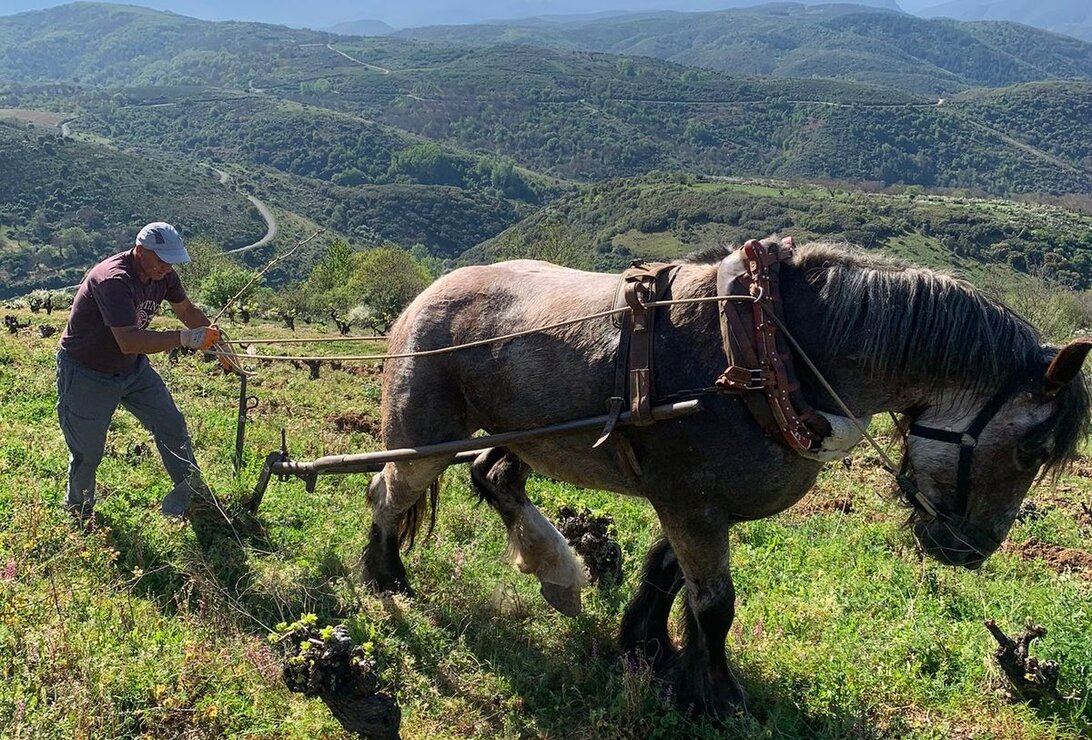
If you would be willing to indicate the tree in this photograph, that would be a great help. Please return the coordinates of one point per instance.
(205, 258)
(385, 280)
(427, 164)
(74, 239)
(223, 283)
(553, 241)
(327, 288)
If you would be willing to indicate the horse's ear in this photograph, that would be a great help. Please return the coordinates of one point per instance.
(1067, 364)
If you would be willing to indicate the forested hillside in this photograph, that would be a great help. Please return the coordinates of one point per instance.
(65, 203)
(1055, 117)
(443, 145)
(99, 43)
(300, 140)
(571, 114)
(793, 40)
(669, 217)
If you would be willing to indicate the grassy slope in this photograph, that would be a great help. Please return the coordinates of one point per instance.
(155, 628)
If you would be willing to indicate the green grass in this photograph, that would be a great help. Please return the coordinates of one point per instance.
(152, 628)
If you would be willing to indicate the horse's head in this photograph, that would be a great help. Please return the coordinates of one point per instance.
(974, 456)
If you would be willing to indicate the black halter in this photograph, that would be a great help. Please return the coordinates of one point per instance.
(967, 441)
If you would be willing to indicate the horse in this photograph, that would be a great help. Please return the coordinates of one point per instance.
(989, 410)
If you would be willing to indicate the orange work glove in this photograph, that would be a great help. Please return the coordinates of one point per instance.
(201, 338)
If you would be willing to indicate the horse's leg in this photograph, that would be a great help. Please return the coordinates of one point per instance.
(643, 636)
(399, 502)
(534, 544)
(700, 672)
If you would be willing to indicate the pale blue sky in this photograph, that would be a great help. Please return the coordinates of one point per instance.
(324, 13)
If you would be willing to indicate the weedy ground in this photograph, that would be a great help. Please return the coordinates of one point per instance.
(149, 627)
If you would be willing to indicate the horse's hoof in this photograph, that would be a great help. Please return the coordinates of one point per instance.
(565, 599)
(384, 585)
(720, 699)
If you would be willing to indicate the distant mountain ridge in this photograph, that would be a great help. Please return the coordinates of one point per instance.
(444, 145)
(590, 116)
(795, 40)
(1071, 17)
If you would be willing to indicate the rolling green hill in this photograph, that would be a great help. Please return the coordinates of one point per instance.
(65, 203)
(224, 126)
(793, 40)
(1055, 117)
(570, 114)
(665, 218)
(101, 43)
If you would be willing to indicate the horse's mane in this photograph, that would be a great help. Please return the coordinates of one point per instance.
(709, 256)
(934, 328)
(924, 325)
(928, 327)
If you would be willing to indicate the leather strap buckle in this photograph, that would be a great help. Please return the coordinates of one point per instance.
(739, 378)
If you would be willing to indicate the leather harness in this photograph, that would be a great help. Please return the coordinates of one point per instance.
(760, 364)
(641, 284)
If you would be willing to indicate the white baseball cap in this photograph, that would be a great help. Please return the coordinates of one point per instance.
(163, 239)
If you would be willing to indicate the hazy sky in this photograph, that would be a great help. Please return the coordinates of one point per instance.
(325, 13)
(322, 13)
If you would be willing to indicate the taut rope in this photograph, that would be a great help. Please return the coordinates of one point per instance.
(466, 345)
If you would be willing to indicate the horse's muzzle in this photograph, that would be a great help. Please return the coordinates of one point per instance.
(955, 541)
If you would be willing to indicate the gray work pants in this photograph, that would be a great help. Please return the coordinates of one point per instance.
(86, 401)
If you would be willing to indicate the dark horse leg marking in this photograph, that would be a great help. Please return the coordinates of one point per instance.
(534, 544)
(399, 499)
(643, 635)
(700, 672)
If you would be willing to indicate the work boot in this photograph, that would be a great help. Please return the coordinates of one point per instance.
(177, 500)
(83, 517)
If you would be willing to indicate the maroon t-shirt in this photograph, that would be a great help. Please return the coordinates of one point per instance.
(112, 295)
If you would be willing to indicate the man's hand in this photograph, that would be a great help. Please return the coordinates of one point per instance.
(227, 356)
(201, 338)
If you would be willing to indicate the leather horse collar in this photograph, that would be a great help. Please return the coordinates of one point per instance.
(761, 367)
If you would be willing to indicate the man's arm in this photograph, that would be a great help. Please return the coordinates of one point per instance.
(189, 314)
(132, 340)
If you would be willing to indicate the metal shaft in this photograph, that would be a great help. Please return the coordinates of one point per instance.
(240, 427)
(373, 461)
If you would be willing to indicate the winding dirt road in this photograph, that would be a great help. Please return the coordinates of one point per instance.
(270, 219)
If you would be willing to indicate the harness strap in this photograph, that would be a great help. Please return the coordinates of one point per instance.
(642, 283)
(967, 440)
(760, 363)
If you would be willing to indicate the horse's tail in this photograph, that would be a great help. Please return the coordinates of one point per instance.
(414, 517)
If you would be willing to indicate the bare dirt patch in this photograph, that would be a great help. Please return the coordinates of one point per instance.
(822, 505)
(1057, 558)
(355, 421)
(44, 118)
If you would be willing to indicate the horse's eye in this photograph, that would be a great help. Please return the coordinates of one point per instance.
(1031, 457)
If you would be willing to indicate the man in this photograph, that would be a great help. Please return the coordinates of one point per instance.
(102, 362)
